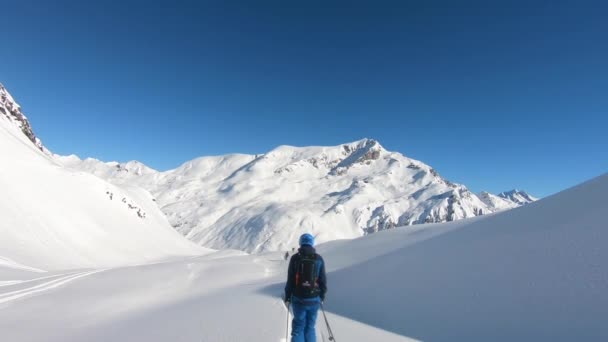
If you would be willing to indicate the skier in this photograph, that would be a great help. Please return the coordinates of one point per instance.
(305, 289)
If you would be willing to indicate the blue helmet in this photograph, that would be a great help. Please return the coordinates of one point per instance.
(307, 239)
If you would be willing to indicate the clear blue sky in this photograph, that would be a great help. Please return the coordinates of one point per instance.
(493, 94)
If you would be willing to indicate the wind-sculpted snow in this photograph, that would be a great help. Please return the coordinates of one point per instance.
(264, 202)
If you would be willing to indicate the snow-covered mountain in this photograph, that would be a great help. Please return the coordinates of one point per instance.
(109, 170)
(55, 217)
(495, 202)
(264, 202)
(518, 196)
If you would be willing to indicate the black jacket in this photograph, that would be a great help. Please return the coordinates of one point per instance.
(293, 268)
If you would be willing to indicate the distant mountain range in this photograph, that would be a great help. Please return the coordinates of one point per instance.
(264, 202)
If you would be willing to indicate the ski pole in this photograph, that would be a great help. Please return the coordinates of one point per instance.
(287, 326)
(331, 334)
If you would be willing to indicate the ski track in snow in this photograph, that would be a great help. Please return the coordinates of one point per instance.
(55, 282)
(15, 282)
(4, 261)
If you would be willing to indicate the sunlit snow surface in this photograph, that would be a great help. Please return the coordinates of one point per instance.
(52, 217)
(535, 273)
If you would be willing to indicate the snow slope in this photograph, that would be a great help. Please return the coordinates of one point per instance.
(535, 273)
(55, 218)
(264, 202)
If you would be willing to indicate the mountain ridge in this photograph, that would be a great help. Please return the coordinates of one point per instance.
(263, 202)
(222, 201)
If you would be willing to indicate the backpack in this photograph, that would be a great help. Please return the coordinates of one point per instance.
(306, 277)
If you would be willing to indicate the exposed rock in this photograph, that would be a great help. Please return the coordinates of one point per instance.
(12, 111)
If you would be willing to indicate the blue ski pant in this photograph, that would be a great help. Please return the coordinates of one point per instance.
(304, 319)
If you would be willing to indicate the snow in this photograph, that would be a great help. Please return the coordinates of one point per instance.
(259, 203)
(82, 259)
(206, 298)
(497, 203)
(518, 196)
(56, 218)
(109, 170)
(537, 272)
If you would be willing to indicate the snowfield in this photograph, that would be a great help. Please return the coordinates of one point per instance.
(57, 218)
(535, 273)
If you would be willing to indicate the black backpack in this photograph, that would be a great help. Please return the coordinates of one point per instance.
(306, 277)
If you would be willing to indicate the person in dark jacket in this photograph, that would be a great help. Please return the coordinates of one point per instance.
(305, 289)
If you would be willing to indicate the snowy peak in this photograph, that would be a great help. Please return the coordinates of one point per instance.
(12, 111)
(329, 160)
(361, 152)
(137, 168)
(496, 203)
(105, 170)
(290, 161)
(132, 168)
(363, 146)
(518, 196)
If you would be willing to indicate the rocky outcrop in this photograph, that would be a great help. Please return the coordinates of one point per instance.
(365, 152)
(12, 111)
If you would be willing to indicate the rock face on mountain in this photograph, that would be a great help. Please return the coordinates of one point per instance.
(264, 202)
(12, 111)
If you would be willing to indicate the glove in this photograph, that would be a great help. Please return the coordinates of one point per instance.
(286, 299)
(322, 298)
